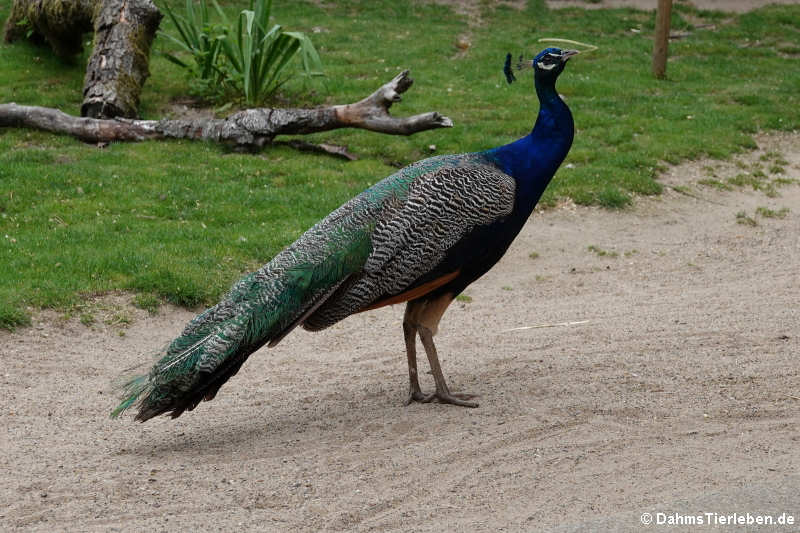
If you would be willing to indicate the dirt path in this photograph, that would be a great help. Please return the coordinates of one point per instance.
(679, 391)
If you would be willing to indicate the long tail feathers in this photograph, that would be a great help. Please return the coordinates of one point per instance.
(132, 390)
(211, 349)
(214, 346)
(261, 307)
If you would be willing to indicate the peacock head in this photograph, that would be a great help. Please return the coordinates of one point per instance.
(551, 62)
(546, 66)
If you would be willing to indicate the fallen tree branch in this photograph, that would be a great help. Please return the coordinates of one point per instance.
(250, 129)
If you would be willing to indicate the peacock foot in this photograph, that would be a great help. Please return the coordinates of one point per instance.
(418, 396)
(448, 397)
(455, 398)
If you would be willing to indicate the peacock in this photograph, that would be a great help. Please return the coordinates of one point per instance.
(420, 236)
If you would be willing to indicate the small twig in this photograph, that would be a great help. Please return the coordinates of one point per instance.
(676, 35)
(559, 324)
(324, 148)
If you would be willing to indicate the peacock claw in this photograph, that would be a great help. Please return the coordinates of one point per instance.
(417, 396)
(451, 398)
(455, 399)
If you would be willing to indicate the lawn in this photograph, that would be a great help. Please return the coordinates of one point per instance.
(180, 221)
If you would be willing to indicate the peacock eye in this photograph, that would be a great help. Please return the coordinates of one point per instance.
(549, 61)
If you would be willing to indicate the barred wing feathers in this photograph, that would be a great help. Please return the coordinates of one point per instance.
(411, 238)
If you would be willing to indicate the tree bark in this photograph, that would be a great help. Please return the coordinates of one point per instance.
(123, 33)
(250, 129)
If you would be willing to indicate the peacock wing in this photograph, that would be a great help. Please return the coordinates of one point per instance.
(412, 238)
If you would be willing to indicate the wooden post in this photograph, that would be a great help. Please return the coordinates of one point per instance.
(663, 15)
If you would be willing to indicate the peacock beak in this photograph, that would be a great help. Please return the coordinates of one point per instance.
(566, 54)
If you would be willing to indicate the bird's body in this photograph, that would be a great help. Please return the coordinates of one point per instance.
(421, 235)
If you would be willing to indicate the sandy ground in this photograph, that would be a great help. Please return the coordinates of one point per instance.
(675, 390)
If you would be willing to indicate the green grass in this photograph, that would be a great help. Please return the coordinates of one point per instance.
(181, 221)
(771, 213)
(147, 301)
(11, 317)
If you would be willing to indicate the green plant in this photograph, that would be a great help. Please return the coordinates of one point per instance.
(259, 56)
(753, 180)
(248, 57)
(148, 302)
(202, 41)
(742, 218)
(776, 169)
(770, 213)
(11, 317)
(25, 23)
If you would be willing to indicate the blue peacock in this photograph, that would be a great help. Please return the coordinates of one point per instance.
(420, 236)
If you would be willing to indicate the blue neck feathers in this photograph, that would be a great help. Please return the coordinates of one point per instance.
(533, 160)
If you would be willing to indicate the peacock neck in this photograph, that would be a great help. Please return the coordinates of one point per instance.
(533, 160)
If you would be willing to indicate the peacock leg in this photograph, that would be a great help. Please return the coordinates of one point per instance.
(415, 393)
(442, 393)
(422, 316)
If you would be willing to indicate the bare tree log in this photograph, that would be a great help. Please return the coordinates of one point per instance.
(250, 129)
(118, 67)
